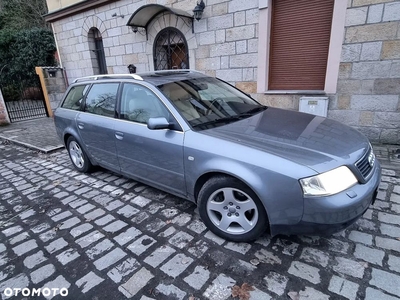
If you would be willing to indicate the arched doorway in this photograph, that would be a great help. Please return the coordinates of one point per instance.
(170, 50)
(97, 52)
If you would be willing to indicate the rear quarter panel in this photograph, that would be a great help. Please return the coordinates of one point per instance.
(65, 122)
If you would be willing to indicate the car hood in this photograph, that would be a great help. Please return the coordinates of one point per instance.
(319, 143)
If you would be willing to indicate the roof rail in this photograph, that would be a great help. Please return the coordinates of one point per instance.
(177, 71)
(168, 72)
(108, 76)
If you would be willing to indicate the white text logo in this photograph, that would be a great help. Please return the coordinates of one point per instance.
(36, 292)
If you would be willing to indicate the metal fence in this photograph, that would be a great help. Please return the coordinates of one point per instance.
(24, 100)
(25, 109)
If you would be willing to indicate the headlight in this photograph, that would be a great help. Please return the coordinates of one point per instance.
(328, 183)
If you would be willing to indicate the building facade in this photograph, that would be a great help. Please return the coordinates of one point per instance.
(279, 51)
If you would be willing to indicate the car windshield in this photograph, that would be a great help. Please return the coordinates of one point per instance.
(208, 102)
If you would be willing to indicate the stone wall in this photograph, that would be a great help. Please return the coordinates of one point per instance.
(225, 44)
(56, 85)
(121, 46)
(228, 42)
(369, 78)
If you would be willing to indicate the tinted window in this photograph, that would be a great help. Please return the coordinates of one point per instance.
(75, 97)
(206, 102)
(101, 99)
(139, 104)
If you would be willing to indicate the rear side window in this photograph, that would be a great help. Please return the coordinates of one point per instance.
(75, 97)
(101, 99)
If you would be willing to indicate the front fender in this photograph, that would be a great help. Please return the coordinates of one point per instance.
(280, 195)
(231, 168)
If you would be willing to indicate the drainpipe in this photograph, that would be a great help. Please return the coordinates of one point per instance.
(55, 39)
(59, 54)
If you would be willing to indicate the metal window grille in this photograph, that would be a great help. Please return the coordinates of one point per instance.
(170, 50)
(101, 59)
(96, 45)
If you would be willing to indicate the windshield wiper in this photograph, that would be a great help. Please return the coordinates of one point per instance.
(221, 120)
(254, 110)
(229, 119)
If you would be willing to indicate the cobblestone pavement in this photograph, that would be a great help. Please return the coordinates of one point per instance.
(389, 155)
(104, 236)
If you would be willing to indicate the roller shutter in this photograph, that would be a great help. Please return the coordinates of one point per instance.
(300, 36)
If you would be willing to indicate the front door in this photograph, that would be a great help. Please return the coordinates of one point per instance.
(155, 156)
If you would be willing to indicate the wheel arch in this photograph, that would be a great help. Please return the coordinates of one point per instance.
(203, 179)
(246, 177)
(68, 134)
(208, 175)
(66, 137)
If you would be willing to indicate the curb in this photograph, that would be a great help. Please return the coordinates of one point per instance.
(46, 150)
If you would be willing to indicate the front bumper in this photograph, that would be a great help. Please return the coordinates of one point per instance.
(327, 215)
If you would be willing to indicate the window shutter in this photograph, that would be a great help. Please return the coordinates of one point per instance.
(300, 36)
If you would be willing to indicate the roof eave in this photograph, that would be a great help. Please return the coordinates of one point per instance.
(74, 9)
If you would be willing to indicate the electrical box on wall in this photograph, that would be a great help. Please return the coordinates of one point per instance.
(314, 105)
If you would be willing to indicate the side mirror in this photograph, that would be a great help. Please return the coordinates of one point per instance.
(158, 123)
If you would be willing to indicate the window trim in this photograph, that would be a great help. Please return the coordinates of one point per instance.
(178, 126)
(334, 53)
(88, 87)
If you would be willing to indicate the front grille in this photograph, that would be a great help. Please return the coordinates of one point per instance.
(366, 163)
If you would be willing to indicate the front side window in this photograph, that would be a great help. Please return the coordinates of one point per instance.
(208, 102)
(75, 97)
(101, 99)
(139, 104)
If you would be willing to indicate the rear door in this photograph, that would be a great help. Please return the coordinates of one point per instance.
(155, 156)
(96, 124)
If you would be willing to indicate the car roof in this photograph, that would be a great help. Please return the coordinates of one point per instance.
(156, 77)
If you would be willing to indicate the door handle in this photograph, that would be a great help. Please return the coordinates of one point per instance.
(81, 125)
(119, 135)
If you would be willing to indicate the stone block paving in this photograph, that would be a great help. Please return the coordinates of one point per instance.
(103, 236)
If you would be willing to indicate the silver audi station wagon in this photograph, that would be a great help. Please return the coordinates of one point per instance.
(248, 167)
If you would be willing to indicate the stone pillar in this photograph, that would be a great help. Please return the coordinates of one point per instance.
(4, 118)
(54, 85)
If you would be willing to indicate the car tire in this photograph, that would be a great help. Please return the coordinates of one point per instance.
(78, 156)
(231, 210)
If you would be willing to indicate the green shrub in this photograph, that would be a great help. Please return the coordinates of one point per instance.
(20, 52)
(10, 93)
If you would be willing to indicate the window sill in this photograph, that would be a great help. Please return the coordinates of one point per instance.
(294, 92)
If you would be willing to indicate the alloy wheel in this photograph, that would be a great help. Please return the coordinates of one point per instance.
(232, 211)
(76, 154)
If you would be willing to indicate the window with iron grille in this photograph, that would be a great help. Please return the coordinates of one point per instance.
(97, 52)
(170, 50)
